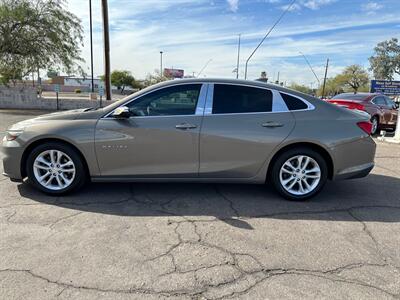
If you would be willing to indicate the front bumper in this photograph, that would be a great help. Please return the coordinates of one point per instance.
(12, 152)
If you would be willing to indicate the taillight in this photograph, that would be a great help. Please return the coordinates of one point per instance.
(358, 106)
(365, 126)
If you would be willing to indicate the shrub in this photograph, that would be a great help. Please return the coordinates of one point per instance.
(78, 91)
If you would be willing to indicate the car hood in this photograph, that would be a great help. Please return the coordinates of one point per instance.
(84, 113)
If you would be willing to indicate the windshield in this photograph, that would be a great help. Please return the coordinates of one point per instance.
(356, 97)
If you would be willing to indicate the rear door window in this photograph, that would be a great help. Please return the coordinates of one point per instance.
(240, 99)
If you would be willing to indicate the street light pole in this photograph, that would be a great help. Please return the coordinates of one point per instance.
(238, 55)
(161, 72)
(91, 43)
(106, 36)
(267, 34)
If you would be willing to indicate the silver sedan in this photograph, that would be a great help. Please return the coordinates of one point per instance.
(200, 130)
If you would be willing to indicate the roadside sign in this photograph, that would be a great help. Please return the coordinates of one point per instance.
(101, 91)
(57, 88)
(387, 87)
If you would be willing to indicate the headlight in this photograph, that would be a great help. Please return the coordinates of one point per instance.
(12, 135)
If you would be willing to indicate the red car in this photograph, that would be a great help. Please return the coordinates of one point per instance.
(382, 109)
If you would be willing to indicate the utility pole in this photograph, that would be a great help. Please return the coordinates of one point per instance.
(106, 37)
(91, 42)
(238, 55)
(326, 73)
(267, 34)
(161, 72)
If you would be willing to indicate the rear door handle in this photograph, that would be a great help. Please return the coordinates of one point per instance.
(185, 126)
(271, 124)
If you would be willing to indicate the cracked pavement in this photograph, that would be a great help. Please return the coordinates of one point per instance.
(202, 241)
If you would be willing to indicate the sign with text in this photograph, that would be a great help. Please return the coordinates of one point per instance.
(57, 88)
(387, 87)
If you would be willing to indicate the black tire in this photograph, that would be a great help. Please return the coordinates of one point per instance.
(376, 130)
(282, 158)
(80, 170)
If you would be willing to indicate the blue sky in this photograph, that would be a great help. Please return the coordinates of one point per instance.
(192, 32)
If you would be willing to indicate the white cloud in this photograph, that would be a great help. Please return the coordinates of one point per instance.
(189, 42)
(310, 4)
(371, 7)
(233, 5)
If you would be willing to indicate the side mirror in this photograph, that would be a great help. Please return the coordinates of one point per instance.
(121, 112)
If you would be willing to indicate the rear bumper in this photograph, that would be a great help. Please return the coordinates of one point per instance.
(355, 172)
(354, 159)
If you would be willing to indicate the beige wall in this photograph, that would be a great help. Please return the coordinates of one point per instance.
(27, 98)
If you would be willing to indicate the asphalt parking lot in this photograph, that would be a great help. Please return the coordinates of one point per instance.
(195, 241)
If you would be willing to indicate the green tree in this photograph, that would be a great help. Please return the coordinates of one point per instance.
(353, 76)
(386, 60)
(301, 88)
(122, 79)
(154, 78)
(38, 34)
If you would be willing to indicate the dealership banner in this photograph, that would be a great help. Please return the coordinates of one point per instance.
(174, 73)
(387, 87)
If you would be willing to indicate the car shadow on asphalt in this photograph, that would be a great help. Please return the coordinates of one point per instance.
(375, 198)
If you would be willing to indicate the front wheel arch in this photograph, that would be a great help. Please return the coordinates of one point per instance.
(36, 143)
(323, 152)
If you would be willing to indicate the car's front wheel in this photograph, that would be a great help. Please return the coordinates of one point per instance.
(299, 174)
(55, 168)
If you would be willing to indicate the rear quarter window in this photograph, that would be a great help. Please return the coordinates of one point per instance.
(293, 103)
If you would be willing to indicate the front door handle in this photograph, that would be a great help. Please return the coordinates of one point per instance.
(185, 126)
(271, 124)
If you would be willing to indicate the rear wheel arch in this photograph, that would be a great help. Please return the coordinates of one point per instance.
(321, 150)
(36, 143)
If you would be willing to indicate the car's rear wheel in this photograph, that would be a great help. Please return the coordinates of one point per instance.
(55, 168)
(375, 125)
(299, 174)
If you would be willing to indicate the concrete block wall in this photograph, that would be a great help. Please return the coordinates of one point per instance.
(27, 98)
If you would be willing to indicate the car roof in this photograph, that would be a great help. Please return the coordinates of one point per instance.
(229, 81)
(362, 94)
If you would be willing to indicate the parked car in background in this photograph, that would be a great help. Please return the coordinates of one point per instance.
(382, 109)
(203, 130)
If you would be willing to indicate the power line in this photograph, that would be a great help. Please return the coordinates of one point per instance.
(269, 31)
(312, 70)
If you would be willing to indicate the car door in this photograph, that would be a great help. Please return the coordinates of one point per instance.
(391, 106)
(385, 114)
(159, 139)
(240, 129)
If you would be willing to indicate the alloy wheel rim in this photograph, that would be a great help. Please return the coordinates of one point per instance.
(54, 170)
(300, 175)
(374, 125)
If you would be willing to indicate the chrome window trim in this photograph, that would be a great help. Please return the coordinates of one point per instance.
(198, 112)
(201, 102)
(309, 105)
(209, 100)
(278, 104)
